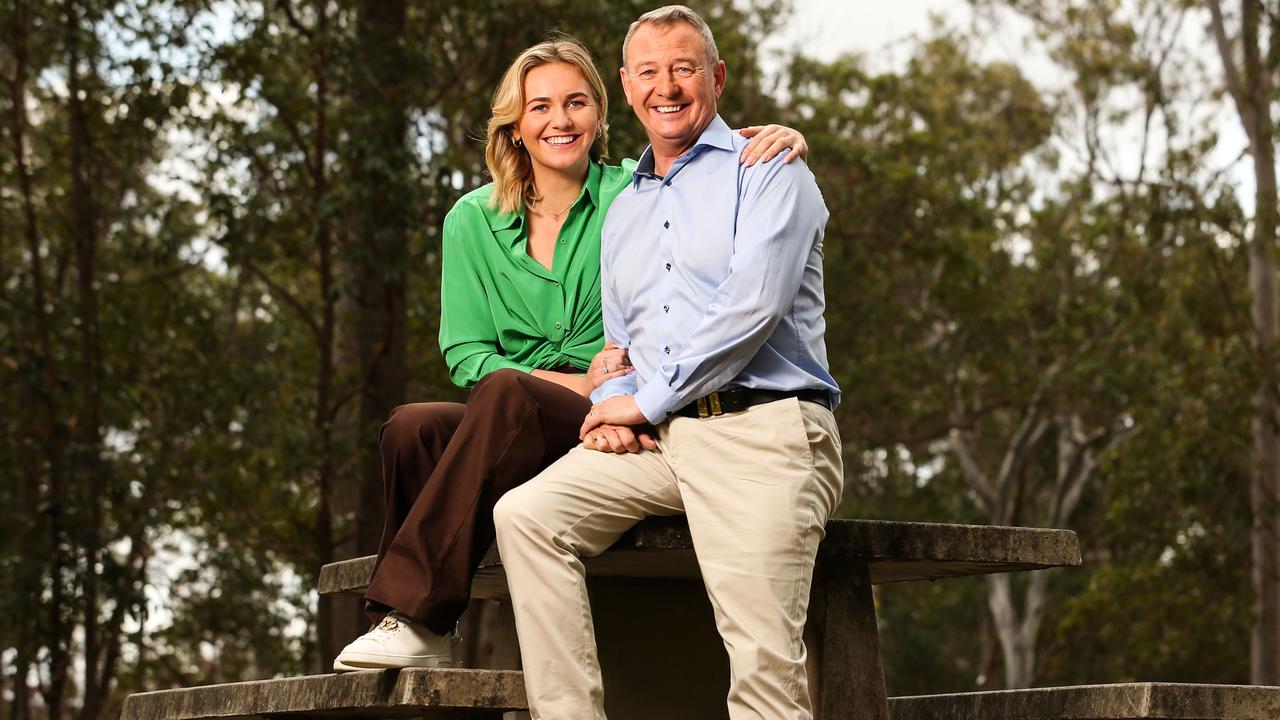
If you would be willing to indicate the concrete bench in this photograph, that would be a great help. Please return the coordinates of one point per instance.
(429, 694)
(659, 650)
(1131, 701)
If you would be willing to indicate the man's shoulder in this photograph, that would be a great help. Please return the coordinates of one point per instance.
(777, 177)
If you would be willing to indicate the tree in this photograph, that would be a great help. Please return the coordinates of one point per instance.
(1250, 59)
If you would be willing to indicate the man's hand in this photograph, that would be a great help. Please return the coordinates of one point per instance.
(620, 439)
(620, 410)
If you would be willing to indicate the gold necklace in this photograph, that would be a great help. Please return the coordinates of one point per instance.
(540, 206)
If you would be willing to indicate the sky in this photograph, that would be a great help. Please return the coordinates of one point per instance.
(882, 32)
(827, 28)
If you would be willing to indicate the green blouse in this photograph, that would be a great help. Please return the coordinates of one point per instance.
(500, 308)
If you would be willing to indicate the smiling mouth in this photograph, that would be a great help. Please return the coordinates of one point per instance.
(668, 109)
(561, 141)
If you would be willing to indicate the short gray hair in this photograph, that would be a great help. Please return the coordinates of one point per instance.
(667, 16)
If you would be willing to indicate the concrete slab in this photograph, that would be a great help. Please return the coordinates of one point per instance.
(1130, 701)
(896, 552)
(430, 694)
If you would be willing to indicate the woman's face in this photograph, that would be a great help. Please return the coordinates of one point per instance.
(559, 119)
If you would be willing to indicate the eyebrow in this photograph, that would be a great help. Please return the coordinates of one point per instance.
(570, 96)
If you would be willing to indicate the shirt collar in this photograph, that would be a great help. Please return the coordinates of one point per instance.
(716, 135)
(499, 221)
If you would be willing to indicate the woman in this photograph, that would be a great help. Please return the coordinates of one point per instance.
(520, 321)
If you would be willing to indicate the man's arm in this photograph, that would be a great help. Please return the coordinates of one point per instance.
(781, 215)
(615, 326)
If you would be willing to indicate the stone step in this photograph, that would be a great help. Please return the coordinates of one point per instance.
(1129, 701)
(430, 694)
(896, 552)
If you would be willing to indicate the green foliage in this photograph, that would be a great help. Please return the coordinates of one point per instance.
(977, 280)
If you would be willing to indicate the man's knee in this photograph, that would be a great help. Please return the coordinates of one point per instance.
(511, 515)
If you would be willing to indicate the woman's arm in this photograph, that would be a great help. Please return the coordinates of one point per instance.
(609, 363)
(468, 337)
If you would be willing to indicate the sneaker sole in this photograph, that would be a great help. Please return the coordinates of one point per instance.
(353, 662)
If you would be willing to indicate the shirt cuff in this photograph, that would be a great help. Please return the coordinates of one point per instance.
(656, 401)
(624, 385)
(498, 362)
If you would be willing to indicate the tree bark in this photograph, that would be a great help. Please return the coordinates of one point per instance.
(372, 314)
(40, 438)
(383, 214)
(329, 641)
(1250, 85)
(90, 489)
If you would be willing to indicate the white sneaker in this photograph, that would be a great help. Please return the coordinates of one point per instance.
(397, 642)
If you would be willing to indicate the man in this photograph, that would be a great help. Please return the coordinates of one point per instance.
(712, 278)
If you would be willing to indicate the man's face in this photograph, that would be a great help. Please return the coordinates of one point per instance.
(669, 85)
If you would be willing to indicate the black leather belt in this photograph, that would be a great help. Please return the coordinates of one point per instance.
(739, 399)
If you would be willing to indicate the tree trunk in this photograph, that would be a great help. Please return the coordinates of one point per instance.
(1251, 87)
(90, 491)
(1265, 480)
(375, 252)
(384, 213)
(37, 351)
(330, 642)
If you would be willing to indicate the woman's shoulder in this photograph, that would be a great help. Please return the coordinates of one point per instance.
(474, 203)
(475, 211)
(614, 178)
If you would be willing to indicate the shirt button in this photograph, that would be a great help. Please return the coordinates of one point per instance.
(668, 183)
(557, 325)
(666, 308)
(668, 267)
(666, 224)
(667, 349)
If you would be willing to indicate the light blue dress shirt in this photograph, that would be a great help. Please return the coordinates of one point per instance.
(712, 277)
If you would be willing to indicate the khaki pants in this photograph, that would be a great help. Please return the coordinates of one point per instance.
(757, 487)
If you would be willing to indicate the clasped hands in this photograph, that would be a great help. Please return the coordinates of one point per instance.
(615, 425)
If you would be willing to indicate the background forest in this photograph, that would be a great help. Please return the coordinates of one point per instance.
(219, 267)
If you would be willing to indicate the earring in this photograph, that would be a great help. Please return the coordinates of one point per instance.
(517, 141)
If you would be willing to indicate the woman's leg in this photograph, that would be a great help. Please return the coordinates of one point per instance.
(413, 440)
(514, 426)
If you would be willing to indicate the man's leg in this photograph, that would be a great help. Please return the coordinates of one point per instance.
(576, 508)
(515, 424)
(758, 488)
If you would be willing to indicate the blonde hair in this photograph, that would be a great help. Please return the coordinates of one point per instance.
(508, 164)
(665, 17)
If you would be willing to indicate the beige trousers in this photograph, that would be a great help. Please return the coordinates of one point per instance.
(757, 487)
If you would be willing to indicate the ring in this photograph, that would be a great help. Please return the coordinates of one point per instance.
(599, 439)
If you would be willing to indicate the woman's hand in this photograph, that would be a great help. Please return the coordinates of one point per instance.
(609, 363)
(769, 140)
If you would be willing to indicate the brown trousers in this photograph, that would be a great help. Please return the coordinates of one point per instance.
(444, 466)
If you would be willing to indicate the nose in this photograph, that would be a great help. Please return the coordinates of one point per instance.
(667, 85)
(560, 118)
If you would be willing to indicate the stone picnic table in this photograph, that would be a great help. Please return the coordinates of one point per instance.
(659, 651)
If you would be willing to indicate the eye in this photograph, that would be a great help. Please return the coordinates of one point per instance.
(540, 107)
(648, 73)
(684, 71)
(577, 104)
